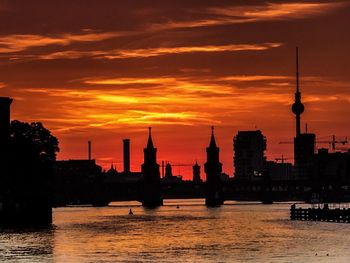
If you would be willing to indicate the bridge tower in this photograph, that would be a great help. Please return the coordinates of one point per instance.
(213, 169)
(151, 188)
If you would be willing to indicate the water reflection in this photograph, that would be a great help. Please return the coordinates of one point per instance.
(26, 245)
(191, 233)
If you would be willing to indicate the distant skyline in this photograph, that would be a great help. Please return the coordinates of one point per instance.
(107, 70)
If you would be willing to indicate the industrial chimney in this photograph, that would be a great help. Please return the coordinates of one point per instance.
(89, 150)
(126, 155)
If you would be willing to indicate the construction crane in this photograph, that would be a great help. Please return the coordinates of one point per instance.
(182, 164)
(333, 142)
(282, 159)
(179, 164)
(166, 162)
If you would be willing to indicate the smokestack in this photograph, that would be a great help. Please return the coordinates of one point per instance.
(126, 155)
(89, 150)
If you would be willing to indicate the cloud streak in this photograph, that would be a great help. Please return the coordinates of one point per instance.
(162, 101)
(276, 11)
(21, 42)
(151, 52)
(228, 15)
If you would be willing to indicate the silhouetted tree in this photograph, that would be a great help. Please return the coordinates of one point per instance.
(36, 138)
(32, 153)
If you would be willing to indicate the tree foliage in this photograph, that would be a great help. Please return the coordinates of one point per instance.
(34, 139)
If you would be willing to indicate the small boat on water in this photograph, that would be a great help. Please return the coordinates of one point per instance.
(130, 212)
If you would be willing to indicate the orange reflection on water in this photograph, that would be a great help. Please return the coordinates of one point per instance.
(235, 232)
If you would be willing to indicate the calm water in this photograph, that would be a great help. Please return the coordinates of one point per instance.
(235, 232)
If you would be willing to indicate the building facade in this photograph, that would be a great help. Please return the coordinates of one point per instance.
(249, 155)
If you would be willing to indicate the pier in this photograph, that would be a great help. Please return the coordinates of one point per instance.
(341, 215)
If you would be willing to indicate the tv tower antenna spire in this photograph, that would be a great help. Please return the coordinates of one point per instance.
(297, 107)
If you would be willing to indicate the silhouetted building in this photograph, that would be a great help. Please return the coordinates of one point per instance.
(169, 177)
(331, 169)
(224, 177)
(168, 171)
(81, 168)
(213, 169)
(112, 171)
(196, 173)
(304, 151)
(113, 176)
(126, 155)
(151, 190)
(249, 155)
(5, 109)
(279, 171)
(76, 181)
(304, 144)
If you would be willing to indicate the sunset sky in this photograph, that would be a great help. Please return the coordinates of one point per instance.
(107, 70)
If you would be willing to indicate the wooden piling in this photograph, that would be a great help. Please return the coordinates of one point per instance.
(340, 215)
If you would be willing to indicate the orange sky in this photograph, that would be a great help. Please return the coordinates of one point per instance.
(106, 70)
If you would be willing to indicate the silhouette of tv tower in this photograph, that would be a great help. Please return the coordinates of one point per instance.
(297, 107)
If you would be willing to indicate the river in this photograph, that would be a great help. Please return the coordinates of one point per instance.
(234, 232)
